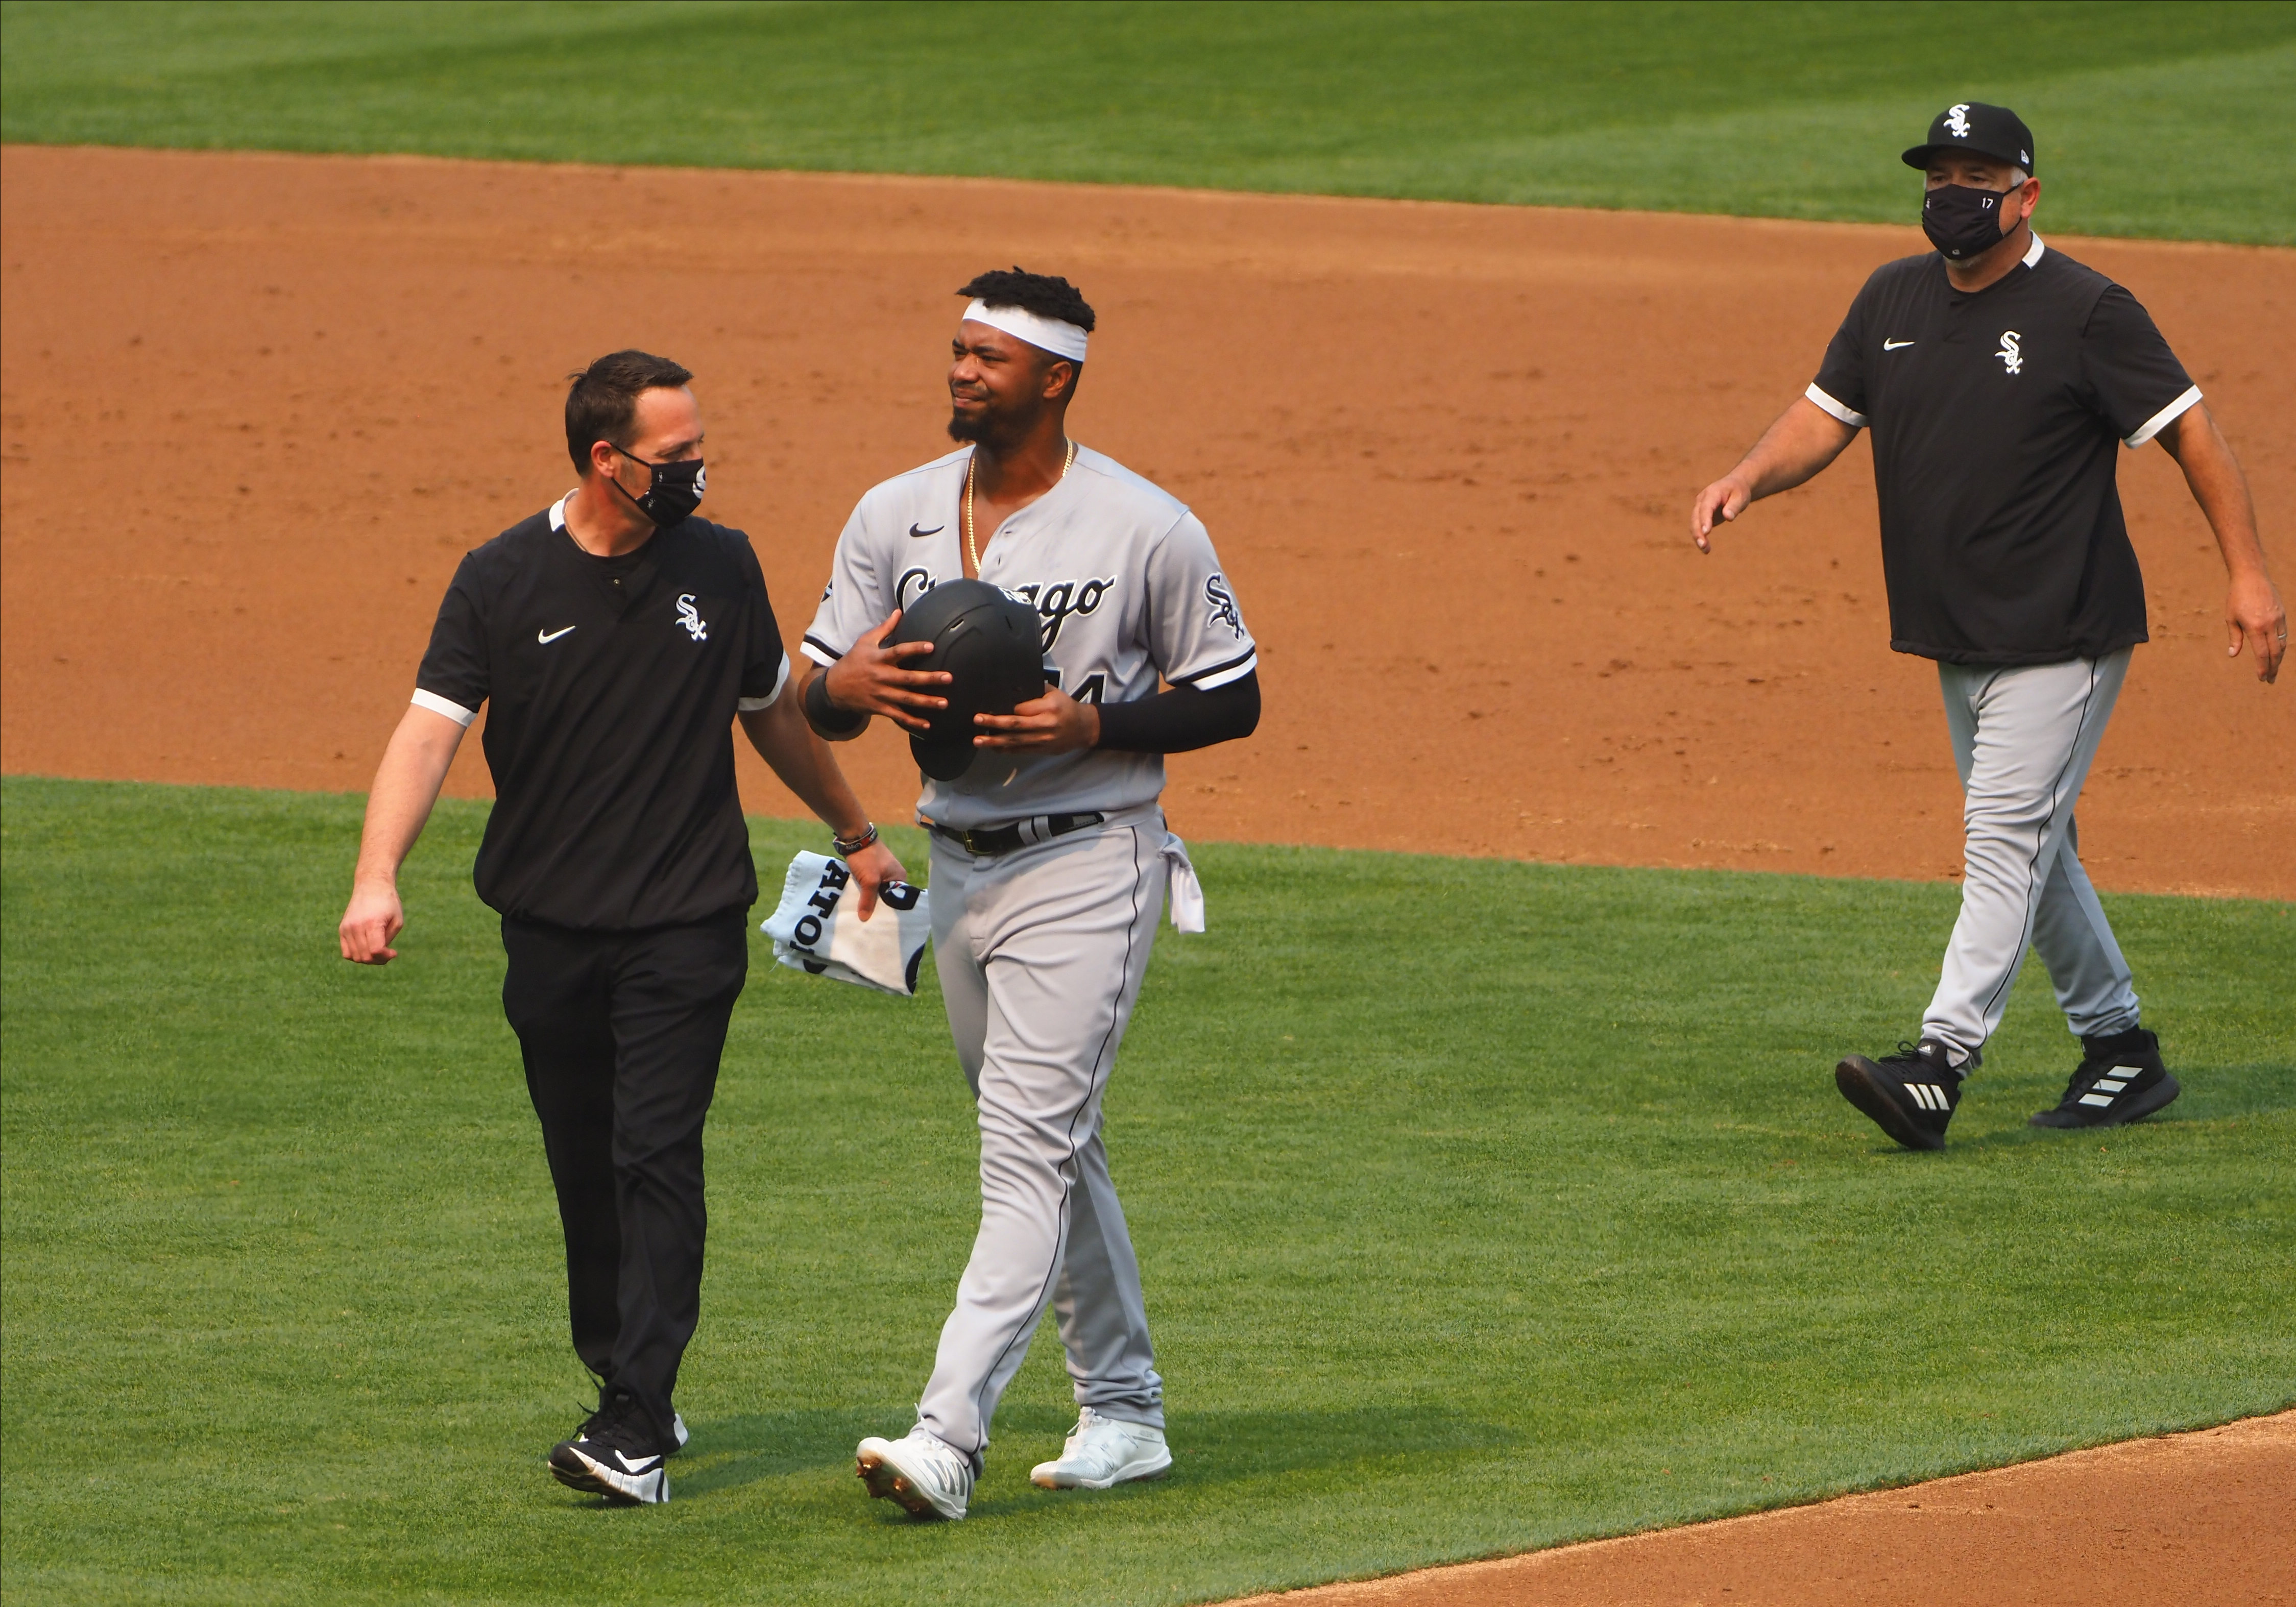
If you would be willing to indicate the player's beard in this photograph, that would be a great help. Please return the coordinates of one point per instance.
(976, 428)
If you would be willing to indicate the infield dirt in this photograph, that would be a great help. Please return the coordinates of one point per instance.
(2200, 1519)
(257, 406)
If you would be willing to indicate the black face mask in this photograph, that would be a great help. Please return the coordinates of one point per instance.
(674, 491)
(1962, 222)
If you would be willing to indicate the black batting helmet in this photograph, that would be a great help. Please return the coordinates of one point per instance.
(992, 643)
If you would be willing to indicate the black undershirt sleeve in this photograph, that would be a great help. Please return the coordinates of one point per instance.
(1182, 718)
(830, 723)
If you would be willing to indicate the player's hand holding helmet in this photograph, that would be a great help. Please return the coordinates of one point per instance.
(991, 647)
(876, 677)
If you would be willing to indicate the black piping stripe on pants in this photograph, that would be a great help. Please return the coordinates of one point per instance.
(1104, 1066)
(2033, 879)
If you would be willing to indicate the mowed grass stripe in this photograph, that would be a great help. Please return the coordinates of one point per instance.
(1482, 1205)
(2154, 118)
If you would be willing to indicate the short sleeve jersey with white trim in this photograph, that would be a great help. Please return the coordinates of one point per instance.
(611, 686)
(1995, 419)
(1123, 577)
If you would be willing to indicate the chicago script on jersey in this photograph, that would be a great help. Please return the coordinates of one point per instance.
(1056, 600)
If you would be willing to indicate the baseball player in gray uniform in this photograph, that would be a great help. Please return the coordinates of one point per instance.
(1050, 856)
(2000, 378)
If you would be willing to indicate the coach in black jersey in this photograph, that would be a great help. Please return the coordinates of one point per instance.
(616, 638)
(2000, 378)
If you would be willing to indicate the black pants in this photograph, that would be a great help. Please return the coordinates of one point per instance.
(621, 1033)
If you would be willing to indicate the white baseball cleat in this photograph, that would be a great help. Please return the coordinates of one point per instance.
(1102, 1451)
(925, 1474)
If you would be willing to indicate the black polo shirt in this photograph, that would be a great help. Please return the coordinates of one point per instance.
(614, 683)
(1995, 417)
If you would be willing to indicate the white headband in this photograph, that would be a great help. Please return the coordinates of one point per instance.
(1055, 335)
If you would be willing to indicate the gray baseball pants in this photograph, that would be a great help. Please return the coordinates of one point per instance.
(1041, 952)
(2024, 737)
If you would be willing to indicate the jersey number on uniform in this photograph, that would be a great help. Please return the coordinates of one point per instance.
(1088, 690)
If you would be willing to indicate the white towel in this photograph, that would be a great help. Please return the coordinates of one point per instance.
(814, 931)
(1186, 893)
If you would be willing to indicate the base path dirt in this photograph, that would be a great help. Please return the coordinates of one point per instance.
(257, 406)
(2196, 1520)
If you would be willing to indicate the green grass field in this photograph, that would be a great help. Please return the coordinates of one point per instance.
(1482, 1205)
(2157, 119)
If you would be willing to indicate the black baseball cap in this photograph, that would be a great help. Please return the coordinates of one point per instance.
(1993, 131)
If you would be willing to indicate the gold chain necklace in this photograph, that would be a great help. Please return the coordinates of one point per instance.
(971, 550)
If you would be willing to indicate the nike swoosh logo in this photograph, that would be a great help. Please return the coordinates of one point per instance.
(1893, 345)
(547, 636)
(643, 1464)
(936, 530)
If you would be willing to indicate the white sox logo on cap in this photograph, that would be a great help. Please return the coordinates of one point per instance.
(1956, 120)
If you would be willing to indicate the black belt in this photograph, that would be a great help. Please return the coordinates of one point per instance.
(984, 840)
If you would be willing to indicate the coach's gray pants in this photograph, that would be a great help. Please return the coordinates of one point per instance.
(1041, 952)
(2024, 737)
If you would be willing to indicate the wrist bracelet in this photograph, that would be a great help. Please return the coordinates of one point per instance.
(847, 846)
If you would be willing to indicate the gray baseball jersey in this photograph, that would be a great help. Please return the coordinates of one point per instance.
(1124, 578)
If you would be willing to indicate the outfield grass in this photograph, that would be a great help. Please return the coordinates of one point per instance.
(1483, 1206)
(2154, 119)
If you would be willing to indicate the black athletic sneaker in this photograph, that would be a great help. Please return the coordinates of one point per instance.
(678, 1433)
(2120, 1079)
(613, 1456)
(1909, 1094)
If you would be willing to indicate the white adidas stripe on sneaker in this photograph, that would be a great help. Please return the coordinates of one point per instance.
(2103, 1091)
(1928, 1095)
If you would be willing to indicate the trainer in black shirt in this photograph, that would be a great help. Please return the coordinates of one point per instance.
(2028, 388)
(616, 638)
(2000, 380)
(612, 681)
